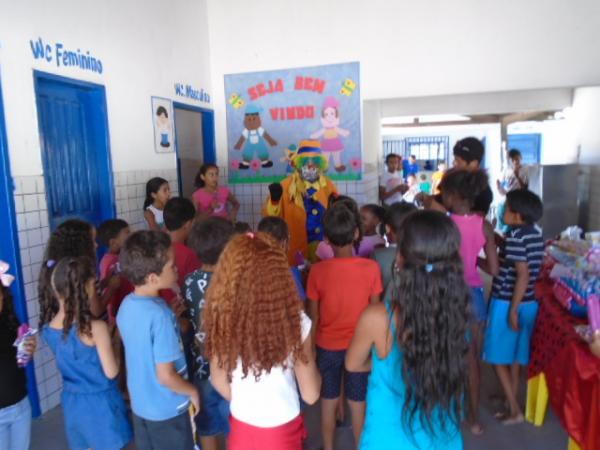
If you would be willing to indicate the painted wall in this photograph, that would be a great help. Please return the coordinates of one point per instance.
(586, 114)
(145, 48)
(558, 139)
(409, 48)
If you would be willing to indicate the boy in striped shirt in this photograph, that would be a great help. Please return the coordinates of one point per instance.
(513, 307)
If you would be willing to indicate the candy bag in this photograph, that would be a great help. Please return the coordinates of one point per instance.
(23, 333)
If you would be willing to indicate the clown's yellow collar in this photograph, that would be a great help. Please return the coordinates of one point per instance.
(299, 187)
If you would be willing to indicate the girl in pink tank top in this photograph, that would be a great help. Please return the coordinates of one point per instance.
(459, 190)
(212, 199)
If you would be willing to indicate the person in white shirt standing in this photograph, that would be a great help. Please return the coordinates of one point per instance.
(391, 185)
(515, 176)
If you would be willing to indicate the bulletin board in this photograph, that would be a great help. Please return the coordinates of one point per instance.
(269, 113)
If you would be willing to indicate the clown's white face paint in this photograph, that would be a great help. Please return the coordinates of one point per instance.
(310, 173)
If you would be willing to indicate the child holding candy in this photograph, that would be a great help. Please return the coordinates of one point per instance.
(15, 412)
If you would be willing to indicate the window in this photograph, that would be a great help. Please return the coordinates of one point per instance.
(425, 148)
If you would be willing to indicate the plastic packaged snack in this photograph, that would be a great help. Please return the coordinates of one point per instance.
(23, 334)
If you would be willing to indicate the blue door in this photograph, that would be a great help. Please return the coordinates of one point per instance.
(75, 149)
(9, 250)
(528, 145)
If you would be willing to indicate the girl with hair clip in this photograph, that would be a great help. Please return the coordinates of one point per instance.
(158, 194)
(259, 345)
(414, 343)
(459, 189)
(94, 410)
(74, 238)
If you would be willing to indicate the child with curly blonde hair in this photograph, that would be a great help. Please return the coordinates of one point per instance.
(259, 344)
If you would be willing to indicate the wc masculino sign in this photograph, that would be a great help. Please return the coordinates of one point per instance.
(190, 92)
(65, 56)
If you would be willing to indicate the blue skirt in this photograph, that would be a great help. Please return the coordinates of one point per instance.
(97, 420)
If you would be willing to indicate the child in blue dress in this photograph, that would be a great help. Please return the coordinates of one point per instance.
(415, 343)
(94, 410)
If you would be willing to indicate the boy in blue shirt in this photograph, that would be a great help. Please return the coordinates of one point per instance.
(513, 307)
(156, 367)
(410, 166)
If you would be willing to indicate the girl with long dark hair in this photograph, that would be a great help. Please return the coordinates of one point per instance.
(158, 194)
(415, 343)
(94, 410)
(73, 237)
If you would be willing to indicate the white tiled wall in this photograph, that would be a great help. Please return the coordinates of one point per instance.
(32, 224)
(130, 192)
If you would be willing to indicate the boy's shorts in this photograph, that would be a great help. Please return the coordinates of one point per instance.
(478, 305)
(213, 418)
(501, 344)
(331, 367)
(174, 433)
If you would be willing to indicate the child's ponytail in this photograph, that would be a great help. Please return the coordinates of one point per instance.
(68, 280)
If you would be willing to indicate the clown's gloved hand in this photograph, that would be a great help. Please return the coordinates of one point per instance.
(276, 191)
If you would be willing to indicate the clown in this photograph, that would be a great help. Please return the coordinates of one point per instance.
(301, 200)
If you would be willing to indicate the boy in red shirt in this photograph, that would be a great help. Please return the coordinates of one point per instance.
(179, 214)
(339, 290)
(112, 234)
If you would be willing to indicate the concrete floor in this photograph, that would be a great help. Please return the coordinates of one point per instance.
(48, 434)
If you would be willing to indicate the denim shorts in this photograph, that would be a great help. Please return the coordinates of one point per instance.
(331, 367)
(213, 418)
(478, 305)
(15, 426)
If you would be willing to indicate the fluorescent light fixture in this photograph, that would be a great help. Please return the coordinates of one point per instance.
(433, 118)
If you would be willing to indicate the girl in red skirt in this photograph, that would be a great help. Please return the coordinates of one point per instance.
(259, 344)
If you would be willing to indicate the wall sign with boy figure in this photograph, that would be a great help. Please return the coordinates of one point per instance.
(254, 139)
(162, 118)
(269, 113)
